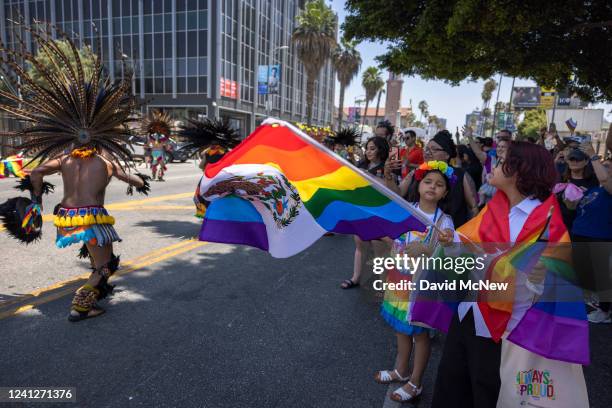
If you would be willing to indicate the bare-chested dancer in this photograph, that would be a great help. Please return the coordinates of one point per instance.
(76, 124)
(81, 217)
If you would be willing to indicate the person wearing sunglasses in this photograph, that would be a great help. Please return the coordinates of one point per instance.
(462, 196)
(577, 178)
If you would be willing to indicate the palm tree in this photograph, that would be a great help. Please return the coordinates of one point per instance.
(410, 118)
(314, 38)
(423, 107)
(380, 92)
(433, 119)
(347, 61)
(487, 93)
(372, 82)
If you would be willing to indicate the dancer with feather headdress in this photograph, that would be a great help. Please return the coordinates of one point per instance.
(75, 125)
(157, 127)
(210, 139)
(343, 142)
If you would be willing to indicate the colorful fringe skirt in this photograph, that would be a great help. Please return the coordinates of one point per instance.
(90, 225)
(396, 305)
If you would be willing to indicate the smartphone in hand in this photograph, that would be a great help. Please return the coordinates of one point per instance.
(394, 153)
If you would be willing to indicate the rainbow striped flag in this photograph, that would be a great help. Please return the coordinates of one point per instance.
(12, 165)
(556, 326)
(280, 191)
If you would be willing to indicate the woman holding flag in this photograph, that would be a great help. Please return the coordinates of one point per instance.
(494, 337)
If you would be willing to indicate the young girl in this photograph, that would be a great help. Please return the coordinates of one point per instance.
(433, 182)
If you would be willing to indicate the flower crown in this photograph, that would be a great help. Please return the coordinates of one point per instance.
(440, 166)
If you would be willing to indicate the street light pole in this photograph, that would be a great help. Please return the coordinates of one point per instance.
(271, 61)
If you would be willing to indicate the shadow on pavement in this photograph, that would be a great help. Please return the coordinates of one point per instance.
(172, 228)
(227, 327)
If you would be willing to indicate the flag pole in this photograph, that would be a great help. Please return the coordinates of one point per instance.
(376, 184)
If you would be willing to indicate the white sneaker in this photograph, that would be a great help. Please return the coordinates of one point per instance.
(599, 316)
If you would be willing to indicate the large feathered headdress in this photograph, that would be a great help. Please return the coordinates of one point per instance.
(346, 137)
(156, 122)
(70, 108)
(215, 134)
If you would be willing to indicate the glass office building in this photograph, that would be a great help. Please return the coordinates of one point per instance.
(191, 57)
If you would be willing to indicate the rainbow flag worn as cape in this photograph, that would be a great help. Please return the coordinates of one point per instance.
(555, 327)
(280, 192)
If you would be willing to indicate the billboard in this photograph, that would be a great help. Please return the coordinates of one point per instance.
(268, 79)
(547, 97)
(565, 98)
(526, 97)
(354, 114)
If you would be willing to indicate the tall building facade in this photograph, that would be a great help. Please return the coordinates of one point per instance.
(190, 57)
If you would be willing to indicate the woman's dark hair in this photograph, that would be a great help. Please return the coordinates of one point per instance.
(383, 148)
(534, 168)
(463, 149)
(413, 195)
(387, 126)
(445, 140)
(588, 172)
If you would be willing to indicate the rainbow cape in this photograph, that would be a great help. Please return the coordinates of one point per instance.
(280, 191)
(555, 326)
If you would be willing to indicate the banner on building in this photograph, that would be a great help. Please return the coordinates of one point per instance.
(268, 79)
(526, 97)
(229, 88)
(505, 120)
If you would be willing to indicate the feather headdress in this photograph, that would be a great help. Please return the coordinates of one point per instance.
(156, 122)
(70, 108)
(208, 133)
(346, 137)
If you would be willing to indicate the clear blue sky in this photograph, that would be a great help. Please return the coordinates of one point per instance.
(445, 101)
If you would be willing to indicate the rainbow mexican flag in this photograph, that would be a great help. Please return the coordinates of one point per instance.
(555, 326)
(280, 191)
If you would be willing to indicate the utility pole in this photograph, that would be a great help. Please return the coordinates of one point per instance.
(495, 110)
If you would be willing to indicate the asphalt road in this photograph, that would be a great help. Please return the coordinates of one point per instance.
(204, 325)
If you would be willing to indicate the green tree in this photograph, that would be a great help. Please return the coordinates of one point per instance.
(86, 55)
(314, 38)
(423, 107)
(372, 82)
(455, 40)
(534, 120)
(347, 61)
(487, 92)
(410, 117)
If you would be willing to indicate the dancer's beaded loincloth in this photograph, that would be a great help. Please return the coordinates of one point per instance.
(90, 225)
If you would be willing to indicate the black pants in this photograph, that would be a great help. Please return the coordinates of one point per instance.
(468, 374)
(592, 264)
